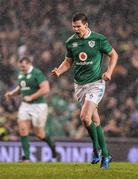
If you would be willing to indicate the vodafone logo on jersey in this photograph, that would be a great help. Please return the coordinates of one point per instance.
(23, 84)
(82, 56)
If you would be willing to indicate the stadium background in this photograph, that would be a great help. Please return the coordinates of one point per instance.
(39, 28)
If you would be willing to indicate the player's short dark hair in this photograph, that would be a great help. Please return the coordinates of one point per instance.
(26, 59)
(80, 16)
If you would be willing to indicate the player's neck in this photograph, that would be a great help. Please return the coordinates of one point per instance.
(29, 70)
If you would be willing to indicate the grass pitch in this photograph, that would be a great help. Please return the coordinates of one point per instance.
(67, 171)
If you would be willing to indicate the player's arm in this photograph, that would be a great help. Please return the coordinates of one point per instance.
(14, 92)
(113, 57)
(42, 91)
(64, 66)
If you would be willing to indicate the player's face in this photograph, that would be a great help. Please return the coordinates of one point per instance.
(24, 66)
(79, 28)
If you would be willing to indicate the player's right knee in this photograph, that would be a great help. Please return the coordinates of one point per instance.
(23, 131)
(85, 119)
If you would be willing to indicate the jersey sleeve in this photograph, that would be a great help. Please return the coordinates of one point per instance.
(105, 46)
(40, 77)
(68, 52)
(18, 80)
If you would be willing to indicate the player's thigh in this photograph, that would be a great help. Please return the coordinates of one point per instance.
(23, 112)
(95, 91)
(92, 92)
(39, 115)
(24, 119)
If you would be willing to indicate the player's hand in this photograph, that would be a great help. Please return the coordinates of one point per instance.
(106, 76)
(27, 98)
(55, 72)
(8, 95)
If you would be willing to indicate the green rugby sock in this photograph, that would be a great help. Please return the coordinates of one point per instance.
(93, 134)
(25, 146)
(51, 144)
(102, 141)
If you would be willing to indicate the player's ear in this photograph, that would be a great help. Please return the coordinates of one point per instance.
(86, 25)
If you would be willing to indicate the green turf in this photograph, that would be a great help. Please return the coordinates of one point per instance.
(67, 171)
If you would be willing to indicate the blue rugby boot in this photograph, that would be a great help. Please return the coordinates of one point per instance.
(96, 157)
(110, 158)
(105, 162)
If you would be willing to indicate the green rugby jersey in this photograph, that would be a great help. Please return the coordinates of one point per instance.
(86, 54)
(29, 83)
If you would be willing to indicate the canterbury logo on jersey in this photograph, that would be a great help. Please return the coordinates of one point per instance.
(29, 76)
(75, 44)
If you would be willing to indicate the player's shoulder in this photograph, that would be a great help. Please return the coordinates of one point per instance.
(71, 39)
(98, 35)
(37, 71)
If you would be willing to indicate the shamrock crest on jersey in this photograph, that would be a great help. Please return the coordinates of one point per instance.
(82, 56)
(91, 43)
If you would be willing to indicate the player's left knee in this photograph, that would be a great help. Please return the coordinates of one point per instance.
(86, 121)
(97, 122)
(40, 136)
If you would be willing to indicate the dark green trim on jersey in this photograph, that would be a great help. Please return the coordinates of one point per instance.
(87, 54)
(30, 82)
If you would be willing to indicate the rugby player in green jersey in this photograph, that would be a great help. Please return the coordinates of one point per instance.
(33, 86)
(84, 53)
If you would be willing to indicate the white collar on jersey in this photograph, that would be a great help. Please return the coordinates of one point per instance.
(30, 69)
(87, 35)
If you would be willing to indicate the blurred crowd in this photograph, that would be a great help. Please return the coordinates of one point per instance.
(38, 29)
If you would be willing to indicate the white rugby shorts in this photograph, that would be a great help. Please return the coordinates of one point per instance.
(92, 91)
(37, 113)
